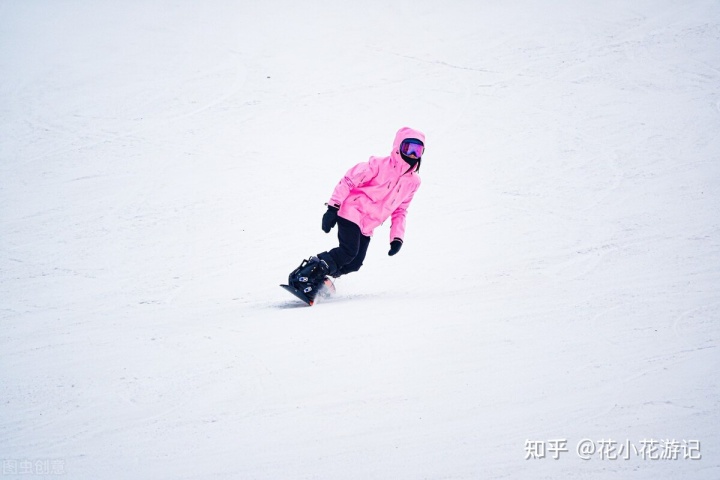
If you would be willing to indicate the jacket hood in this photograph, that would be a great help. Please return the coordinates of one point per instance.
(403, 134)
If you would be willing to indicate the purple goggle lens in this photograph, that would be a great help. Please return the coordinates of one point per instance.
(412, 148)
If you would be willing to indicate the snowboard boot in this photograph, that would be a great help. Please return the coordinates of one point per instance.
(310, 277)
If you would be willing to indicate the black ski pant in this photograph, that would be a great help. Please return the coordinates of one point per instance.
(349, 255)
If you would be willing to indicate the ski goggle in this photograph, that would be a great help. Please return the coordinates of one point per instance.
(412, 147)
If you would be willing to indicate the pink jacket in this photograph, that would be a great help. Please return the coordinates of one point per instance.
(383, 187)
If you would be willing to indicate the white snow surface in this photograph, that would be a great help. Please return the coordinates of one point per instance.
(164, 165)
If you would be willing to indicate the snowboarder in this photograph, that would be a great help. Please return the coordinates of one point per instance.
(368, 194)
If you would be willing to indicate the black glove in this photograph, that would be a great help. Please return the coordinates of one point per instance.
(395, 246)
(329, 219)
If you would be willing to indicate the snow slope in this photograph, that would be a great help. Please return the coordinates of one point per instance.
(163, 166)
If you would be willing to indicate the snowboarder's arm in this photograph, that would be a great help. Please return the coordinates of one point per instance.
(397, 229)
(357, 176)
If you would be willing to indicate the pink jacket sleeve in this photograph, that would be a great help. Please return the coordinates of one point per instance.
(397, 228)
(355, 177)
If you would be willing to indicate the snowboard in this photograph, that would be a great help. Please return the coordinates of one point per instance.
(326, 289)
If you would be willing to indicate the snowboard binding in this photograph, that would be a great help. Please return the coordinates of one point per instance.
(309, 280)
